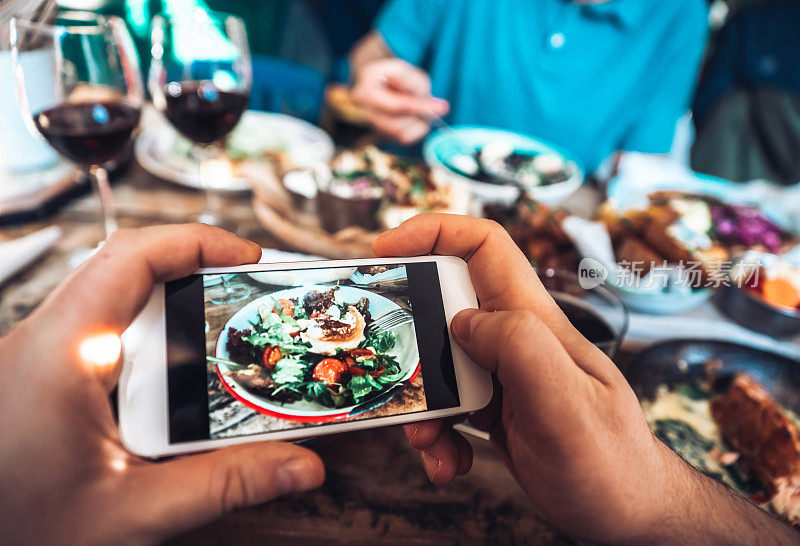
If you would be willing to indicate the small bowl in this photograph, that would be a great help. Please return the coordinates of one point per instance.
(337, 213)
(302, 184)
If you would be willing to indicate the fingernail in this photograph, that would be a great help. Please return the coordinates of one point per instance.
(462, 325)
(294, 476)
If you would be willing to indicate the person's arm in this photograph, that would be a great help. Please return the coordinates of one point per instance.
(65, 476)
(394, 94)
(565, 421)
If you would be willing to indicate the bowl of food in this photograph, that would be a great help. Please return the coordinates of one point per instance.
(730, 411)
(498, 165)
(763, 294)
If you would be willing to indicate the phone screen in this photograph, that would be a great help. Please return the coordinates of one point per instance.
(257, 352)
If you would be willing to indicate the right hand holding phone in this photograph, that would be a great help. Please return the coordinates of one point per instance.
(565, 421)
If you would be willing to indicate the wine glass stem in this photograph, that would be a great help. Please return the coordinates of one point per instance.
(211, 197)
(103, 189)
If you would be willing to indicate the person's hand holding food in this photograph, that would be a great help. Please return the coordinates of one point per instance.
(395, 97)
(67, 475)
(565, 420)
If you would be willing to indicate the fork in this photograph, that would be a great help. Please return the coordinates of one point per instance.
(390, 321)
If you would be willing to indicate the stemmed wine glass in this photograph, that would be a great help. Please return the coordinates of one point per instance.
(91, 116)
(200, 78)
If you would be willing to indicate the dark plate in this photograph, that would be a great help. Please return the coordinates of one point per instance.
(676, 361)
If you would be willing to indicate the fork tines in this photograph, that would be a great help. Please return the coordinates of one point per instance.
(390, 320)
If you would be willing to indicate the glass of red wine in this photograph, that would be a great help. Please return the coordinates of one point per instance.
(91, 115)
(200, 78)
(595, 312)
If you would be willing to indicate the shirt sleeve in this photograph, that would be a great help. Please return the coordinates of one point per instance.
(408, 27)
(673, 77)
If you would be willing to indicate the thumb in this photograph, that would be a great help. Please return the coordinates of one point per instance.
(517, 346)
(179, 495)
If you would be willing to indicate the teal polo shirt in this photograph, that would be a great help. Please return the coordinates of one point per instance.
(592, 78)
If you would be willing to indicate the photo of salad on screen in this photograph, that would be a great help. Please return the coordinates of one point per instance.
(315, 353)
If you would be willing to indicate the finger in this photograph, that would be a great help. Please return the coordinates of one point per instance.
(198, 489)
(501, 275)
(403, 129)
(107, 291)
(390, 101)
(465, 455)
(422, 435)
(443, 459)
(525, 355)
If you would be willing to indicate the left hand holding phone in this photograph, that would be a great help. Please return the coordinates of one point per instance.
(61, 457)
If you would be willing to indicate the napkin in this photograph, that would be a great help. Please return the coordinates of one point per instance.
(16, 255)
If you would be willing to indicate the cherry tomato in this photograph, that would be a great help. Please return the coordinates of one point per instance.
(265, 356)
(287, 308)
(329, 370)
(362, 353)
(274, 356)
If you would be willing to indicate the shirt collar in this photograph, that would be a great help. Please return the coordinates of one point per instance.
(626, 12)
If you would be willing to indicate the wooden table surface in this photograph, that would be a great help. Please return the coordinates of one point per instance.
(376, 490)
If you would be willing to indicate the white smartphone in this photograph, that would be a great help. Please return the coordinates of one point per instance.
(285, 351)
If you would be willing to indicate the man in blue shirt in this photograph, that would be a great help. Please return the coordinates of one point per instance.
(593, 76)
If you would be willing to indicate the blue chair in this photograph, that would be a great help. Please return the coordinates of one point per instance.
(287, 87)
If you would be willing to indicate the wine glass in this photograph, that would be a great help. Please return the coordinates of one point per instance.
(231, 291)
(91, 116)
(200, 78)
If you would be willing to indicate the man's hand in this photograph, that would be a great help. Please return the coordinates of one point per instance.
(64, 475)
(565, 420)
(396, 99)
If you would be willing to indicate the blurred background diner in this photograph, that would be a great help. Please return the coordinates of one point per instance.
(654, 146)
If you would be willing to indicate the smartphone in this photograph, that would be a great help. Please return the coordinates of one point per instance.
(285, 351)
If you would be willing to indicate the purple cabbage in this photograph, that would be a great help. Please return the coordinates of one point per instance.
(738, 224)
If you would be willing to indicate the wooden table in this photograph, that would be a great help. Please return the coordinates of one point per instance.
(376, 490)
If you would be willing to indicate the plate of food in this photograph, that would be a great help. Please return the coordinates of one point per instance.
(693, 237)
(309, 353)
(259, 137)
(487, 159)
(729, 410)
(536, 229)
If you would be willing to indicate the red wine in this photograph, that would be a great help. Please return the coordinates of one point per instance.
(201, 112)
(89, 133)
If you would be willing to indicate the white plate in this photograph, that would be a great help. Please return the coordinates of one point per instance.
(161, 151)
(405, 349)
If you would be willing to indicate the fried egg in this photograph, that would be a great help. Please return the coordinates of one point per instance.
(327, 332)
